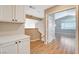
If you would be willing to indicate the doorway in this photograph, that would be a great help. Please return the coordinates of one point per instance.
(62, 28)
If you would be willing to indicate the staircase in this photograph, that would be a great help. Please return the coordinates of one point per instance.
(33, 33)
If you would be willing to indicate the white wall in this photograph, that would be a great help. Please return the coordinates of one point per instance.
(37, 10)
(34, 12)
(51, 29)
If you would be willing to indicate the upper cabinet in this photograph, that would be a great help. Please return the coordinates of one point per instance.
(6, 13)
(19, 13)
(12, 13)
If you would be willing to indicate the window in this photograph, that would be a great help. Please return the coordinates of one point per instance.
(66, 19)
(71, 25)
(30, 23)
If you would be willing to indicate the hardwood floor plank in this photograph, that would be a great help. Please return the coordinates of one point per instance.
(38, 47)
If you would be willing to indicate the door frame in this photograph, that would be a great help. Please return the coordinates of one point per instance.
(59, 8)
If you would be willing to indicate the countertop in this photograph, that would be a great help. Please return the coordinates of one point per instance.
(5, 39)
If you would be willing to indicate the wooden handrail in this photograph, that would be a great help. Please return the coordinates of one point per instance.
(33, 17)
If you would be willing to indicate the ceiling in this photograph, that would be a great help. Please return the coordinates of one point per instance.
(36, 10)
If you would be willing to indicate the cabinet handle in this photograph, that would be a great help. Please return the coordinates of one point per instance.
(19, 41)
(15, 42)
(12, 19)
(15, 19)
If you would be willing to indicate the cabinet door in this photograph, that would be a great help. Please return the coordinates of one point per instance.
(6, 13)
(10, 48)
(19, 16)
(0, 50)
(24, 46)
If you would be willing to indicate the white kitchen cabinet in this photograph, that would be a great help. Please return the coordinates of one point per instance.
(24, 46)
(12, 13)
(15, 44)
(0, 50)
(9, 48)
(6, 13)
(20, 46)
(19, 13)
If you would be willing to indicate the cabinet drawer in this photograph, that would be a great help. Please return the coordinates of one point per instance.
(7, 44)
(8, 48)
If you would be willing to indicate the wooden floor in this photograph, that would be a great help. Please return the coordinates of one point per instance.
(38, 47)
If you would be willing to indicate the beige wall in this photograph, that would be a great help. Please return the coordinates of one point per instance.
(33, 33)
(11, 29)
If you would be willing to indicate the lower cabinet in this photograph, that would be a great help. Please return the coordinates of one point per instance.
(24, 46)
(17, 47)
(9, 48)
